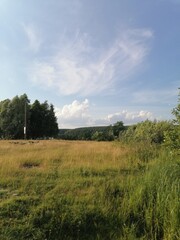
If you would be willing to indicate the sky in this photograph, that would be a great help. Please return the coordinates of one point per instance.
(96, 61)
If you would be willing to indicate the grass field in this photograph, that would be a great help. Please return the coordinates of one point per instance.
(88, 190)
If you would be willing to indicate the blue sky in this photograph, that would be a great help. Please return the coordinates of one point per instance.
(97, 61)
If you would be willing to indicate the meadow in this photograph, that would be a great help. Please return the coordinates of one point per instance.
(88, 190)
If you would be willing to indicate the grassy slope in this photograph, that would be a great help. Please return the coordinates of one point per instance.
(87, 190)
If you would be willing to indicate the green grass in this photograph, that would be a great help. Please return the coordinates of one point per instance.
(88, 190)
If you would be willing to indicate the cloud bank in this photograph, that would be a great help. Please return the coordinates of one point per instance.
(80, 68)
(77, 114)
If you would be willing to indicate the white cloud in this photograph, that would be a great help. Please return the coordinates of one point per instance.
(33, 37)
(130, 117)
(79, 68)
(77, 114)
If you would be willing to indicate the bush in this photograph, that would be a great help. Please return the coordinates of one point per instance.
(147, 131)
(172, 136)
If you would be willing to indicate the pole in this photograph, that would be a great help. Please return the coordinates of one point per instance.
(25, 122)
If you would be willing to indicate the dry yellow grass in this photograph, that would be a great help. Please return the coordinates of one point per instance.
(16, 155)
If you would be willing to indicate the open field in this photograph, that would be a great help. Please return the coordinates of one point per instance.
(88, 190)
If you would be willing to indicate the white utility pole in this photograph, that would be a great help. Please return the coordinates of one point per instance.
(25, 122)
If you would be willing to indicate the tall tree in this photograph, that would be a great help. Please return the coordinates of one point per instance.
(43, 122)
(117, 128)
(4, 118)
(36, 119)
(52, 122)
(12, 116)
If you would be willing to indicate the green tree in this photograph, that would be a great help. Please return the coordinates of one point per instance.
(51, 125)
(43, 122)
(4, 118)
(172, 137)
(98, 136)
(103, 135)
(117, 128)
(12, 117)
(36, 119)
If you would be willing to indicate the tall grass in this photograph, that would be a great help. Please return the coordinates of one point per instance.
(88, 190)
(154, 207)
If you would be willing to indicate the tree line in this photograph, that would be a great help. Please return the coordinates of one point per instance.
(39, 119)
(98, 133)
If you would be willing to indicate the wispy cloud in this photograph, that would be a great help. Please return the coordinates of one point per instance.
(80, 68)
(77, 114)
(33, 37)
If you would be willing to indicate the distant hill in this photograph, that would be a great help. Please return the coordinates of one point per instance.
(84, 133)
(100, 133)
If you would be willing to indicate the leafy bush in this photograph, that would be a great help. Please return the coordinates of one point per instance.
(147, 131)
(172, 136)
